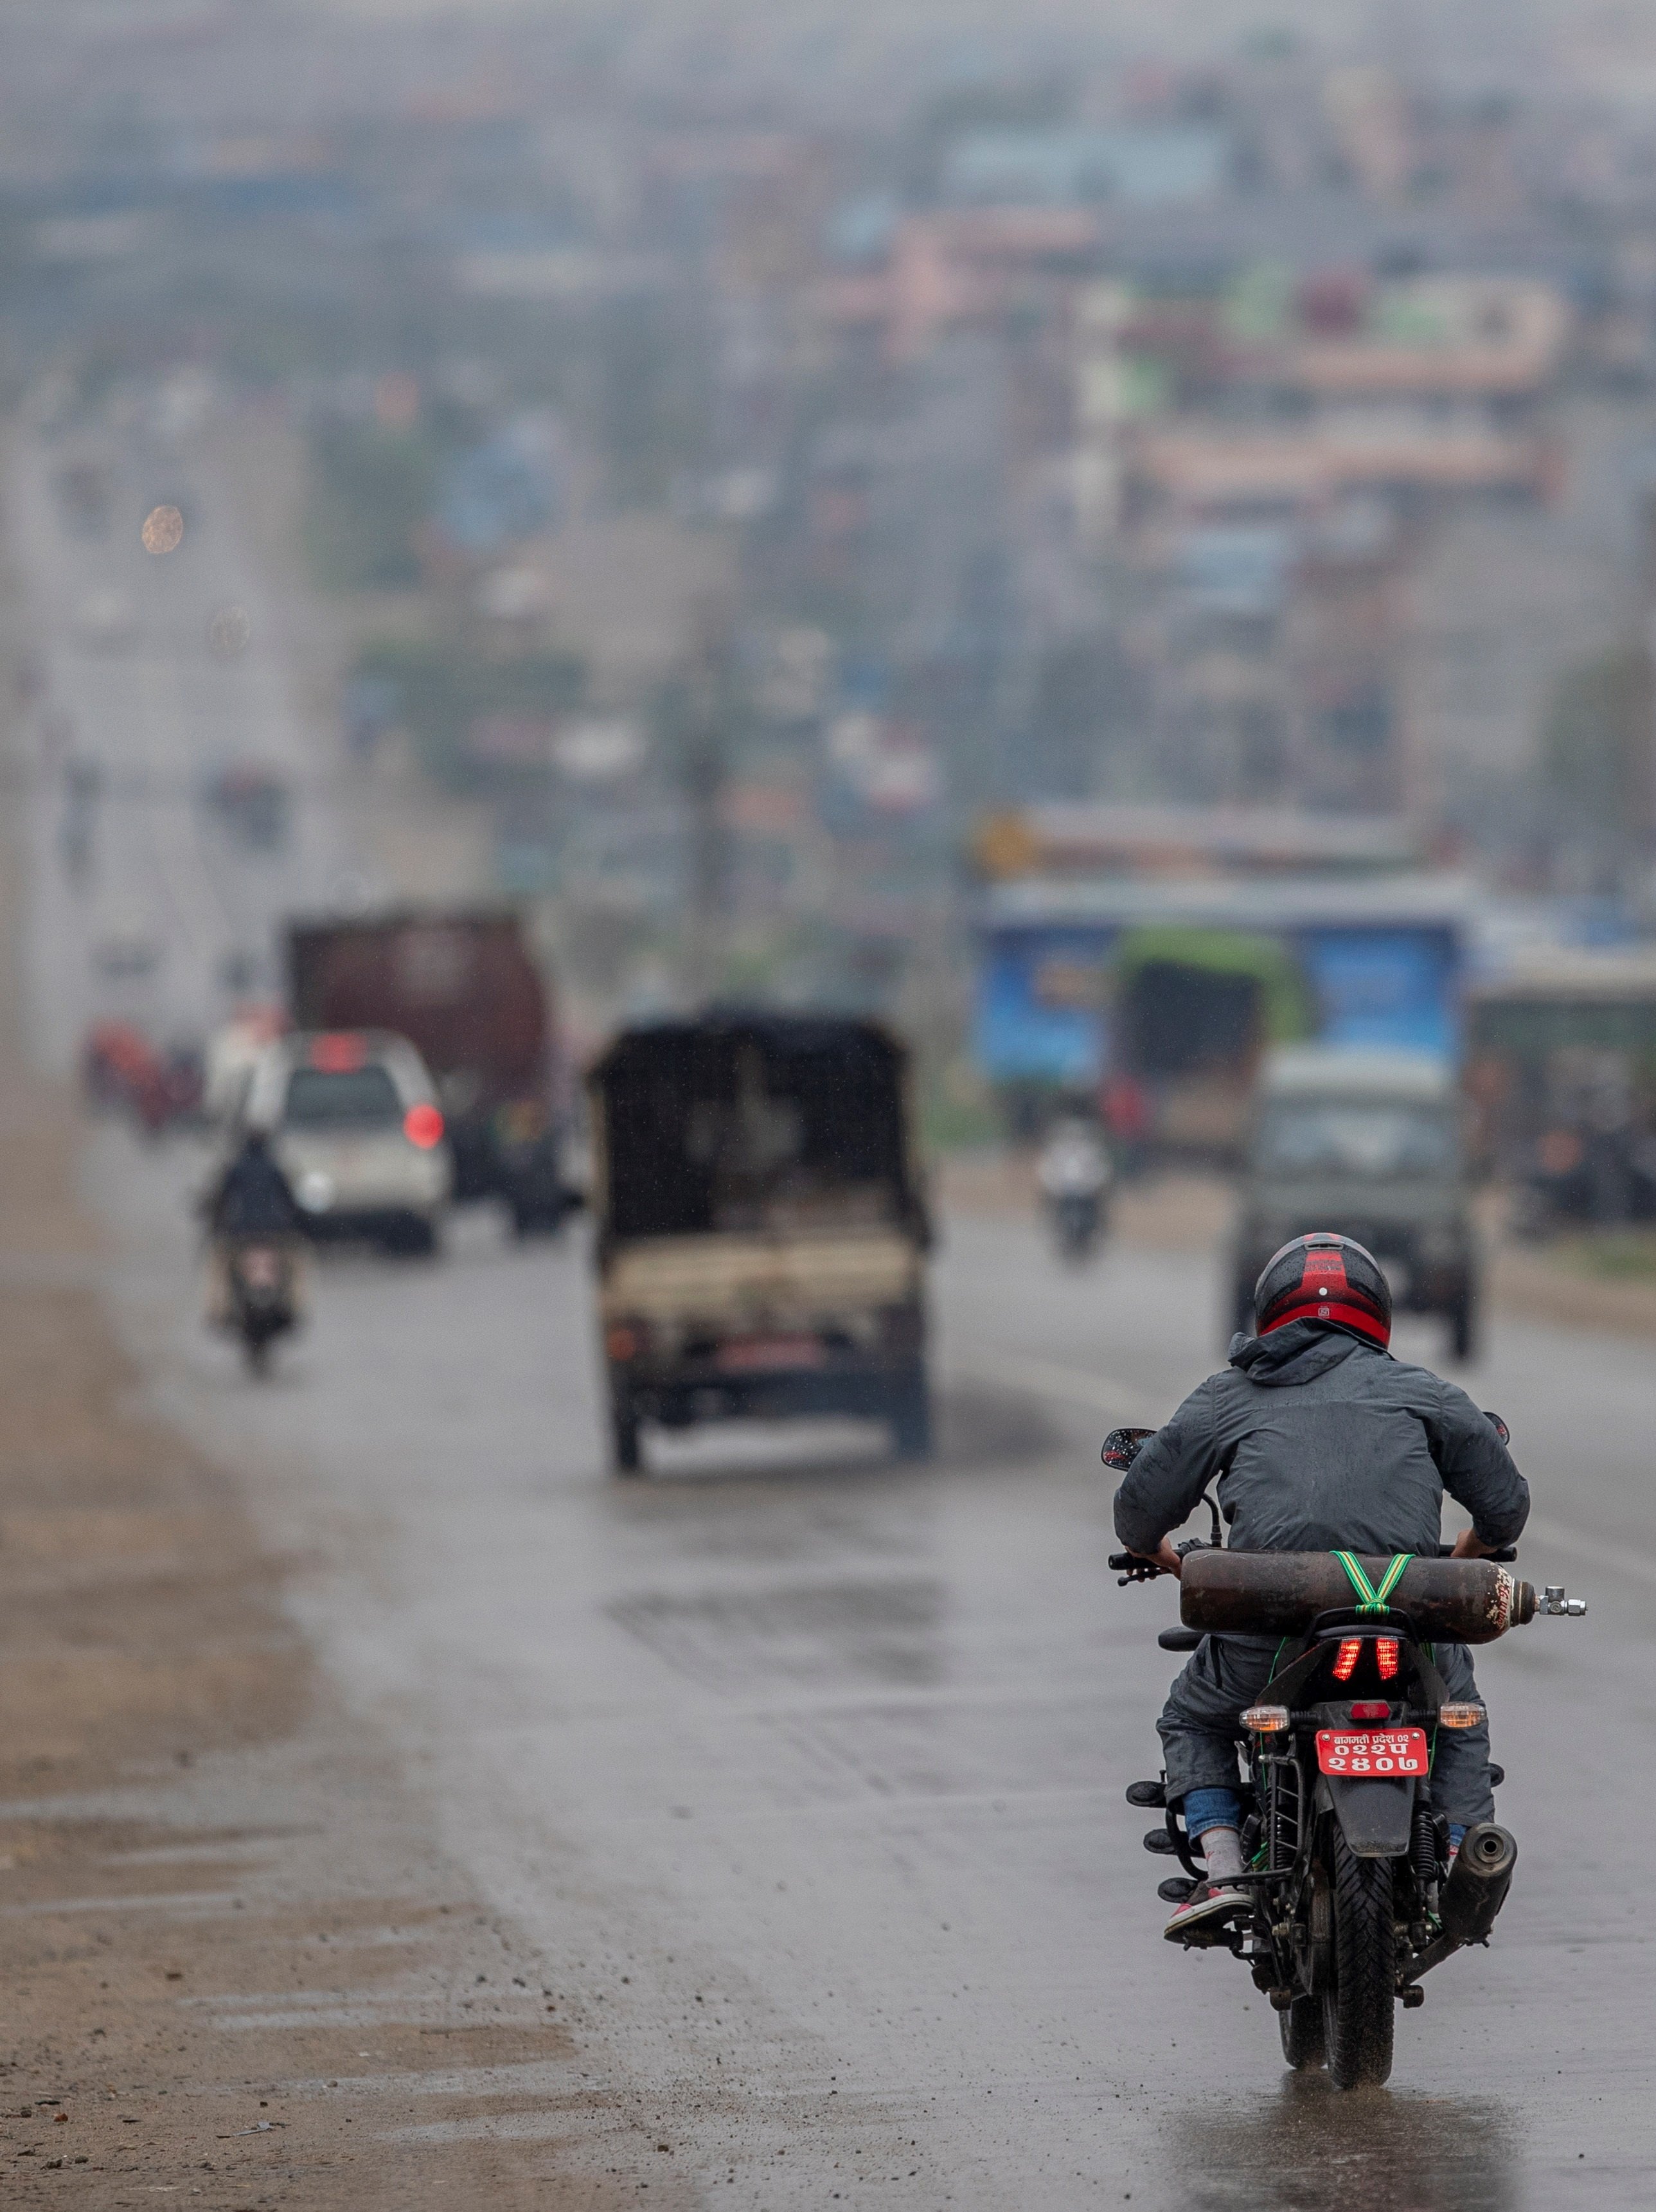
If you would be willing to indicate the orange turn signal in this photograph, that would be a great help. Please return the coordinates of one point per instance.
(1266, 1720)
(1459, 1716)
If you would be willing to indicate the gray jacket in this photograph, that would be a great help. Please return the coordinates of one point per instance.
(1319, 1441)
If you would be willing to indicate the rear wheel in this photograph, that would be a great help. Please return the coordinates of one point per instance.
(1360, 2004)
(1302, 2032)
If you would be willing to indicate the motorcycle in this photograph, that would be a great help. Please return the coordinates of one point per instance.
(1077, 1217)
(1075, 1174)
(263, 1304)
(1355, 1894)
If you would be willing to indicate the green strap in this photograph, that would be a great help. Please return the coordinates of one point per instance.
(1369, 1598)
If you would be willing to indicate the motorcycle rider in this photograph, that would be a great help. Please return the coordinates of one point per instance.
(1319, 1441)
(252, 1202)
(1075, 1170)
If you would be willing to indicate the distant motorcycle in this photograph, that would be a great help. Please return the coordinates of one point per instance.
(1077, 1218)
(261, 1282)
(1355, 1894)
(1075, 1174)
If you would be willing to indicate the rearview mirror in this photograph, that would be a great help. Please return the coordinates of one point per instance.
(1123, 1446)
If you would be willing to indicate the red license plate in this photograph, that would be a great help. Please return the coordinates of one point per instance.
(757, 1354)
(1372, 1754)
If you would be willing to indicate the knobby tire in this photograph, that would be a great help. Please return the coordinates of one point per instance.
(1359, 2009)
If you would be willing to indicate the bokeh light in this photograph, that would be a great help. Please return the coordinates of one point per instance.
(163, 529)
(228, 632)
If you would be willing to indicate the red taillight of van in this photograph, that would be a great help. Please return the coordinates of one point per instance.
(423, 1126)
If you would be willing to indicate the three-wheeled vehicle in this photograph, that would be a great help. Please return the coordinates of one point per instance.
(762, 1231)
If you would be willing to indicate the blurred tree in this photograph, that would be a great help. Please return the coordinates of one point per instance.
(653, 395)
(702, 714)
(1086, 697)
(1597, 747)
(446, 694)
(370, 489)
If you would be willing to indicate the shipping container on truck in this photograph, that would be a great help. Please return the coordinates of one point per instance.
(463, 987)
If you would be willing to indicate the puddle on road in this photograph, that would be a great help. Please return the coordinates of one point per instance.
(1311, 2148)
(886, 1632)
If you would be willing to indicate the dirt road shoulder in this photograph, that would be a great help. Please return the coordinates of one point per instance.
(235, 1971)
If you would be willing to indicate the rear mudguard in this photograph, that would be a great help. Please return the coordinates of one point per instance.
(1376, 1815)
(1376, 1818)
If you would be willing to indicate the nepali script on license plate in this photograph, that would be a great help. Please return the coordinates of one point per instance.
(1374, 1752)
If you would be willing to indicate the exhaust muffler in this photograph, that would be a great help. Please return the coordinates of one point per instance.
(1478, 1882)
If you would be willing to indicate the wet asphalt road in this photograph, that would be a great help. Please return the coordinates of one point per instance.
(804, 1772)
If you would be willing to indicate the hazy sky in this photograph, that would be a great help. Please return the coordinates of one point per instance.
(1604, 47)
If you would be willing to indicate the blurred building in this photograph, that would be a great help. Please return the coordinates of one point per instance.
(1266, 467)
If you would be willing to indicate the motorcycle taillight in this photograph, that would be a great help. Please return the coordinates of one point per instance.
(1345, 1663)
(1385, 1656)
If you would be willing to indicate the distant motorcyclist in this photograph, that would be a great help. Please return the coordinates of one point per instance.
(1075, 1174)
(1318, 1440)
(252, 1197)
(253, 1204)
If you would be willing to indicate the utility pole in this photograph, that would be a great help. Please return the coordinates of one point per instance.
(701, 708)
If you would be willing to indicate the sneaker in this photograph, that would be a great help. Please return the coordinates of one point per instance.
(1208, 1905)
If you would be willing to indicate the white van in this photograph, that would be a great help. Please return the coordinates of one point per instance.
(354, 1123)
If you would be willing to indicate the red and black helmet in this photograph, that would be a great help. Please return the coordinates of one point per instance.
(1326, 1277)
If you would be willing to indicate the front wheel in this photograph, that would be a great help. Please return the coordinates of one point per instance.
(1302, 2032)
(1359, 2006)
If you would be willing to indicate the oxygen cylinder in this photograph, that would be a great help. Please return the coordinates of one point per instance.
(1280, 1593)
